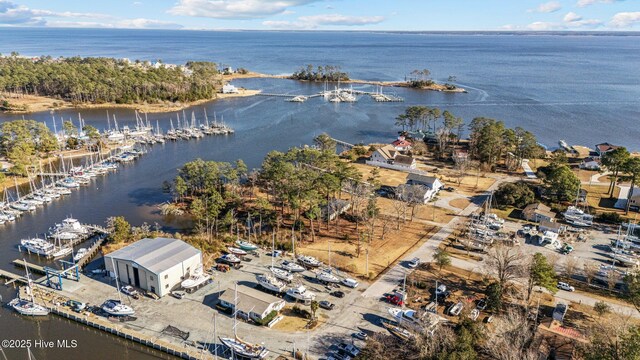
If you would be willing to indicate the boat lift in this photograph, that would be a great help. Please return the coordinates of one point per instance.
(70, 270)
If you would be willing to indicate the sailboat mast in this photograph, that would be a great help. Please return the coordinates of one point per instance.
(235, 311)
(115, 271)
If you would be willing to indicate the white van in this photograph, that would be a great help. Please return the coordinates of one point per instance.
(350, 283)
(565, 286)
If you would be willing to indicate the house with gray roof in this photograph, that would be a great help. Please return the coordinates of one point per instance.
(157, 265)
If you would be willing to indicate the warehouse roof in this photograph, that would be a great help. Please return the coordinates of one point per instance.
(156, 255)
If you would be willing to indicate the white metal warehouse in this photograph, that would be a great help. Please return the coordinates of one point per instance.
(156, 265)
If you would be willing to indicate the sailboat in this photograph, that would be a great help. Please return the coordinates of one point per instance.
(278, 273)
(326, 275)
(238, 347)
(116, 307)
(28, 307)
(245, 245)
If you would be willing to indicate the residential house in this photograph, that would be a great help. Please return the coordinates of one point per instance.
(388, 157)
(460, 156)
(251, 303)
(431, 182)
(634, 202)
(335, 208)
(546, 225)
(229, 89)
(415, 193)
(604, 148)
(591, 163)
(401, 144)
(538, 212)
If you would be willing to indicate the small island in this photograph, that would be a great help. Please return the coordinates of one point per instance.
(320, 73)
(42, 83)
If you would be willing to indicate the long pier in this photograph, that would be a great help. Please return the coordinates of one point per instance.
(32, 267)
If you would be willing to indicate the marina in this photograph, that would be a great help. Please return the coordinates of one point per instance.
(338, 95)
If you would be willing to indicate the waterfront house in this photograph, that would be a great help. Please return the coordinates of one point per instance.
(390, 158)
(401, 144)
(590, 163)
(335, 208)
(229, 89)
(538, 212)
(252, 303)
(431, 182)
(604, 148)
(546, 225)
(157, 265)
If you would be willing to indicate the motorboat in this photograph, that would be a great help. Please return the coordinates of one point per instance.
(196, 279)
(300, 293)
(82, 252)
(327, 277)
(61, 252)
(271, 283)
(236, 251)
(62, 190)
(117, 308)
(230, 259)
(242, 349)
(577, 217)
(70, 225)
(404, 314)
(397, 331)
(456, 309)
(309, 261)
(38, 246)
(69, 183)
(281, 274)
(245, 245)
(291, 266)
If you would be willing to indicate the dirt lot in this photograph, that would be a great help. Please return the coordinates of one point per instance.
(460, 203)
(382, 253)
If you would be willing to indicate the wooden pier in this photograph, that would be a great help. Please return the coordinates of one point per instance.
(32, 267)
(12, 277)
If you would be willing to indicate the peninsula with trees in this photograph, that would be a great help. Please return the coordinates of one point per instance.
(42, 83)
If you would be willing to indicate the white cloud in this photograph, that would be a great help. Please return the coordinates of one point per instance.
(625, 19)
(147, 24)
(543, 26)
(235, 9)
(548, 7)
(571, 17)
(136, 3)
(315, 21)
(337, 19)
(584, 3)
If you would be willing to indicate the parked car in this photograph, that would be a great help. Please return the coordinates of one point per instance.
(338, 294)
(349, 349)
(76, 306)
(350, 283)
(129, 290)
(441, 289)
(413, 263)
(326, 305)
(482, 304)
(360, 335)
(566, 249)
(177, 294)
(565, 286)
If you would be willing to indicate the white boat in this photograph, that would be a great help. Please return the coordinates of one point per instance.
(244, 350)
(230, 259)
(245, 245)
(236, 251)
(196, 279)
(28, 307)
(82, 252)
(291, 266)
(625, 260)
(70, 225)
(117, 308)
(300, 293)
(62, 190)
(271, 283)
(281, 274)
(61, 252)
(456, 309)
(69, 183)
(38, 246)
(577, 217)
(22, 206)
(327, 277)
(309, 261)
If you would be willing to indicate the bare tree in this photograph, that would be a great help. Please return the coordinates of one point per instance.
(612, 279)
(505, 263)
(385, 226)
(590, 269)
(510, 338)
(400, 208)
(571, 265)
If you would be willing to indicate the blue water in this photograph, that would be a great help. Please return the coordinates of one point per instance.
(582, 88)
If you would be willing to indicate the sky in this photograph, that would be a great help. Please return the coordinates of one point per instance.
(381, 15)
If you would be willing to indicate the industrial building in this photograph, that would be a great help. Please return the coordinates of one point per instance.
(157, 265)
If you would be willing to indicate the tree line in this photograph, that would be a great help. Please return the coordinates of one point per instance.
(108, 80)
(320, 73)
